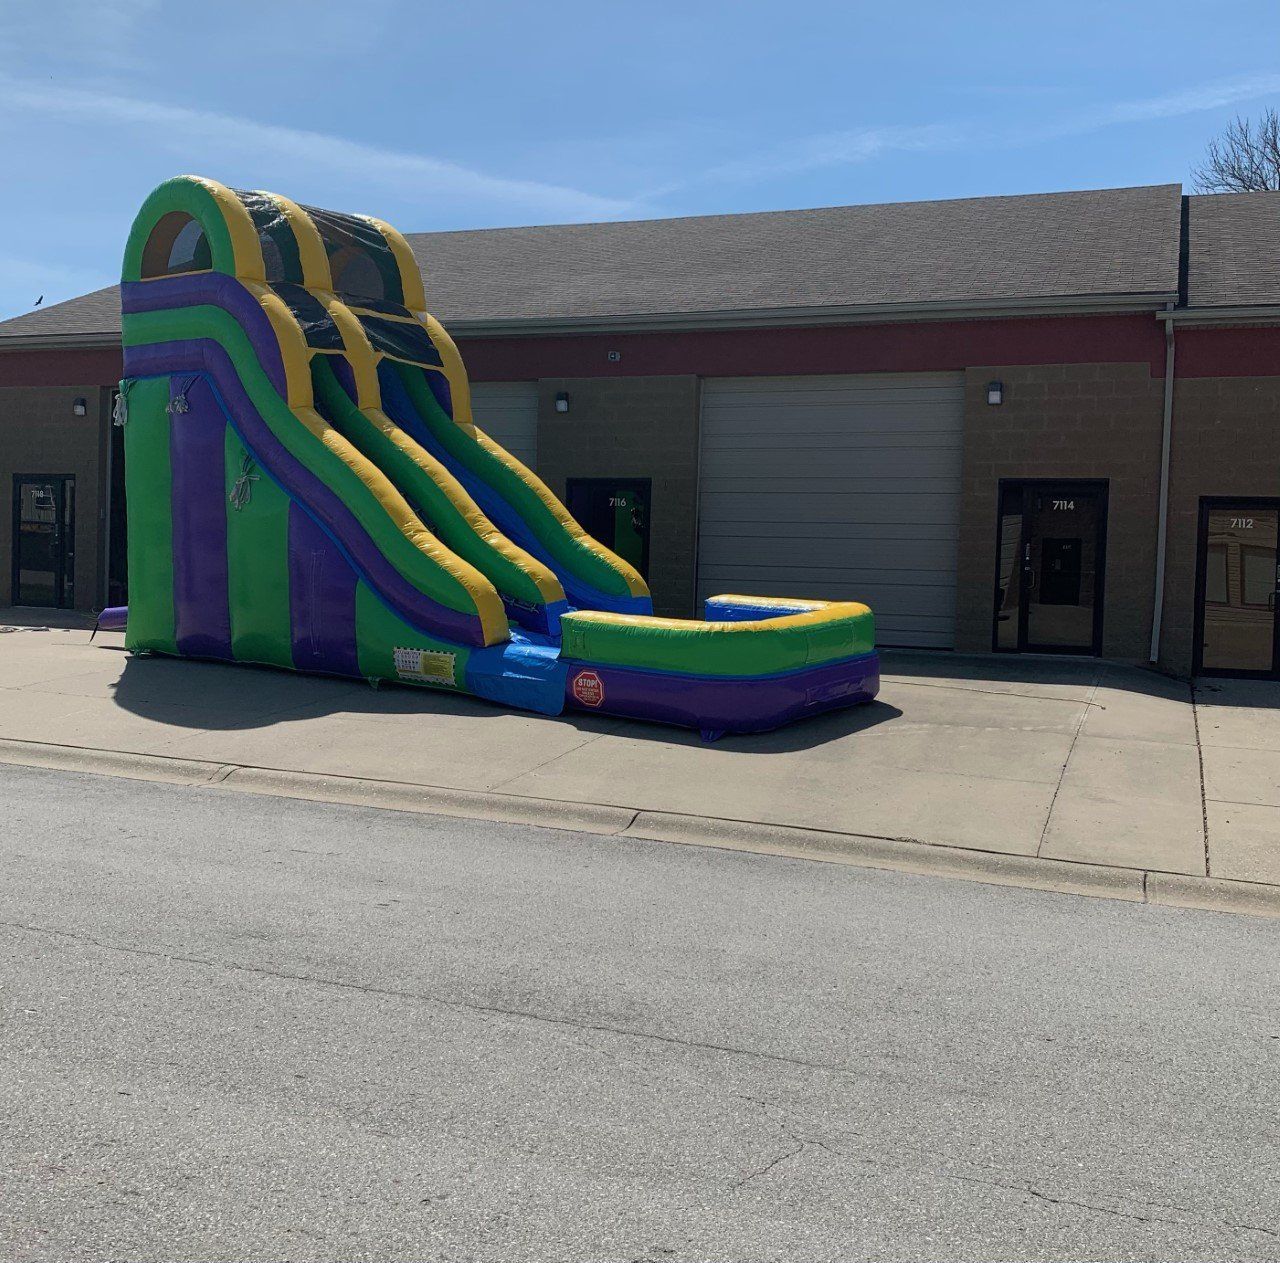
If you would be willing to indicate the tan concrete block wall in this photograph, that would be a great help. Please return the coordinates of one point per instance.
(1226, 442)
(633, 427)
(1064, 421)
(40, 435)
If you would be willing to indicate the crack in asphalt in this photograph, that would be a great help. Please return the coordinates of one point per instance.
(797, 1143)
(801, 1143)
(778, 1161)
(1026, 1187)
(423, 997)
(1031, 1191)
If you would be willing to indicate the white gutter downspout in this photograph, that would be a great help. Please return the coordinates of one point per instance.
(1162, 527)
(106, 525)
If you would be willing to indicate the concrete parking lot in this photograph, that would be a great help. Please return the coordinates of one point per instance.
(1064, 761)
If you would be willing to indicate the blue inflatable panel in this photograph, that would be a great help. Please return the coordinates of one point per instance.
(719, 610)
(526, 672)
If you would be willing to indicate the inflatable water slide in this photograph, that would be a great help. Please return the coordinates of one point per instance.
(307, 488)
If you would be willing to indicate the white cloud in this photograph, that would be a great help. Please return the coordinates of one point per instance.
(1207, 96)
(1193, 100)
(207, 132)
(849, 148)
(837, 149)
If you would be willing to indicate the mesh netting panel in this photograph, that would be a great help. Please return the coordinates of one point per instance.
(362, 263)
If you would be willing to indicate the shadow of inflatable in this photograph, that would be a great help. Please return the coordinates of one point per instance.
(203, 695)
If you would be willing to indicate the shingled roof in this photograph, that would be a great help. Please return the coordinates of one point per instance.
(988, 252)
(90, 315)
(973, 251)
(1233, 250)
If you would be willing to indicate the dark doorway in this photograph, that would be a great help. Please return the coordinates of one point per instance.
(117, 542)
(1050, 559)
(1236, 584)
(616, 512)
(44, 540)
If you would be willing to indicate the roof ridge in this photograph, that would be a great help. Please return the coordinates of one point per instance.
(799, 210)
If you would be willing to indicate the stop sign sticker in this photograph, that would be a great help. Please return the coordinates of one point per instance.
(588, 688)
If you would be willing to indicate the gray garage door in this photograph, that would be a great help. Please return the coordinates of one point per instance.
(508, 413)
(846, 488)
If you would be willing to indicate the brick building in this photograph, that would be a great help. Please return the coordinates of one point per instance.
(1006, 423)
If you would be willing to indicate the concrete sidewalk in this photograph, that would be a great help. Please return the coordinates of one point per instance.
(1063, 773)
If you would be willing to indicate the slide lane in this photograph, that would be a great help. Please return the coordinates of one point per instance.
(530, 591)
(296, 576)
(512, 496)
(422, 581)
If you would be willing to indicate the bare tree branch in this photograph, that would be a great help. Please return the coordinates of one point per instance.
(1244, 159)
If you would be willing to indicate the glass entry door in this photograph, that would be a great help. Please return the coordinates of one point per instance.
(44, 535)
(1236, 587)
(1051, 555)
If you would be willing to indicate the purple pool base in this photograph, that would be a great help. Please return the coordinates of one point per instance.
(113, 618)
(719, 704)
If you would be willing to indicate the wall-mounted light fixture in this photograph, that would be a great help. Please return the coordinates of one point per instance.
(995, 393)
(562, 401)
(80, 408)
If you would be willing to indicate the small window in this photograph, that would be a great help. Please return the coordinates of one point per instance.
(356, 275)
(1257, 576)
(177, 244)
(1215, 575)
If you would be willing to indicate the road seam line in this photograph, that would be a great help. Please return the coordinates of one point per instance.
(426, 997)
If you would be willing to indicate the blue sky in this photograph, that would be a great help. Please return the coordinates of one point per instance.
(445, 115)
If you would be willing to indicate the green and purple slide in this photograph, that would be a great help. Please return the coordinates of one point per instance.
(307, 488)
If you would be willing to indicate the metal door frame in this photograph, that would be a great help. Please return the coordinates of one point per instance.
(1092, 486)
(64, 578)
(625, 481)
(1207, 505)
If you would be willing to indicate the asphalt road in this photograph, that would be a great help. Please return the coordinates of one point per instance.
(240, 1028)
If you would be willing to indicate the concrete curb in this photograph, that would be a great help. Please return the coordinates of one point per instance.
(1217, 894)
(140, 767)
(431, 800)
(901, 854)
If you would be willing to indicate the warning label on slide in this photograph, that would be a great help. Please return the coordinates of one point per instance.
(425, 666)
(588, 688)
